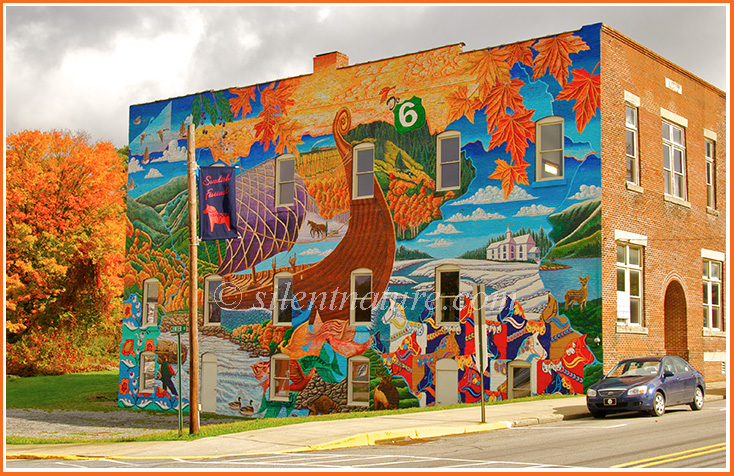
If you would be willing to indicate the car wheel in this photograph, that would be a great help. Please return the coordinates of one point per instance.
(697, 403)
(658, 406)
(597, 414)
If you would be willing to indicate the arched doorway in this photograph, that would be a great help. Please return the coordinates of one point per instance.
(676, 320)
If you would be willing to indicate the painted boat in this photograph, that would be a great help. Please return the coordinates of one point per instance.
(368, 243)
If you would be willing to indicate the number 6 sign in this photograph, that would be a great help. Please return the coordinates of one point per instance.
(409, 115)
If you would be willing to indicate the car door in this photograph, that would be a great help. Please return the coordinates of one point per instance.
(672, 385)
(687, 378)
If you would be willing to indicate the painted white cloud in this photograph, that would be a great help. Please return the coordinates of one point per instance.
(587, 191)
(492, 194)
(444, 230)
(153, 173)
(440, 243)
(173, 153)
(476, 215)
(423, 240)
(134, 166)
(534, 210)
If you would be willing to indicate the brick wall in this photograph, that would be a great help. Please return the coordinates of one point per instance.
(676, 233)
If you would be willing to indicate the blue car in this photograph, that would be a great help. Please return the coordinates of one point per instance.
(647, 384)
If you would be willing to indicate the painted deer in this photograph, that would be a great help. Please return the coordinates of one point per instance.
(216, 218)
(577, 295)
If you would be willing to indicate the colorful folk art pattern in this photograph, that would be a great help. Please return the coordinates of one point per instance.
(493, 97)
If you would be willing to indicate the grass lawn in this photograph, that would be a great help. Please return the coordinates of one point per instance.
(97, 391)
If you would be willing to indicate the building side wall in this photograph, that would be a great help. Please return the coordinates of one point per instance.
(676, 233)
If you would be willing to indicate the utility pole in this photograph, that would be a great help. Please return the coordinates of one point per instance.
(479, 298)
(193, 287)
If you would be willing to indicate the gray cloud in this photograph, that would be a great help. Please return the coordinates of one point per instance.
(81, 67)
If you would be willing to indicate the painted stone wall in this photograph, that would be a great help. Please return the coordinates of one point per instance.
(543, 303)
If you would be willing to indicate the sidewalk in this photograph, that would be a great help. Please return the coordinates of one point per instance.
(323, 435)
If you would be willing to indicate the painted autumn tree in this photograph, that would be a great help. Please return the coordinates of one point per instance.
(64, 217)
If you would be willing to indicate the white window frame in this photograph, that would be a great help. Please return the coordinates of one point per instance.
(212, 296)
(710, 157)
(539, 165)
(280, 181)
(275, 360)
(633, 175)
(670, 174)
(625, 298)
(278, 302)
(145, 320)
(355, 301)
(446, 268)
(352, 380)
(147, 382)
(440, 140)
(356, 150)
(709, 282)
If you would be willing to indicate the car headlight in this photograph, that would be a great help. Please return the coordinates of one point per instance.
(641, 390)
(591, 393)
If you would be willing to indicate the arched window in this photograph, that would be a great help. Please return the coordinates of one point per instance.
(363, 170)
(285, 180)
(361, 297)
(283, 299)
(549, 148)
(150, 302)
(358, 385)
(448, 161)
(280, 377)
(213, 300)
(448, 301)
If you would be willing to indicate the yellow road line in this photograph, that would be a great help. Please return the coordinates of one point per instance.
(672, 456)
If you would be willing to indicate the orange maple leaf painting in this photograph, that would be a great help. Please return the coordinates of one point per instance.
(515, 130)
(460, 104)
(510, 174)
(585, 90)
(491, 68)
(501, 97)
(553, 55)
(520, 53)
(241, 101)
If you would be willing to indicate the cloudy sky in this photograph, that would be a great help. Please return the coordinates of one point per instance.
(81, 67)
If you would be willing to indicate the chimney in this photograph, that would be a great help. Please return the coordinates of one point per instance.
(329, 61)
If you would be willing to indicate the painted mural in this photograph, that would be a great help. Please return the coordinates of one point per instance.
(524, 219)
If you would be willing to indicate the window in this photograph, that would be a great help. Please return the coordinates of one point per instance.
(363, 167)
(358, 390)
(280, 377)
(712, 294)
(549, 148)
(633, 160)
(361, 297)
(285, 180)
(674, 160)
(448, 160)
(213, 300)
(150, 302)
(448, 303)
(283, 295)
(629, 284)
(147, 372)
(710, 173)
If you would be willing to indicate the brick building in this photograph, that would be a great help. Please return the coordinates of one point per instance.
(368, 198)
(679, 230)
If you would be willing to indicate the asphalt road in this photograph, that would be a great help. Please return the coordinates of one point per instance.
(681, 438)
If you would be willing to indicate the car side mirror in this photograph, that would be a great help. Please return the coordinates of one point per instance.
(668, 373)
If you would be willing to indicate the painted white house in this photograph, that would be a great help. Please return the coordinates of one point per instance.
(513, 248)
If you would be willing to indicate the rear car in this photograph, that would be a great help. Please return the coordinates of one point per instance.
(646, 384)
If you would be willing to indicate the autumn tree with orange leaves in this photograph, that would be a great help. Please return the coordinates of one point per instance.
(65, 232)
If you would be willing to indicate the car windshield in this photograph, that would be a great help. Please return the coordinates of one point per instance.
(635, 368)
